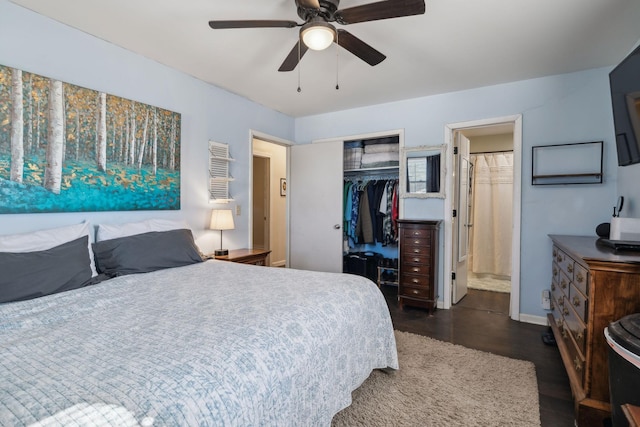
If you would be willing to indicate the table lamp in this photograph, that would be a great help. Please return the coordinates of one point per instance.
(221, 219)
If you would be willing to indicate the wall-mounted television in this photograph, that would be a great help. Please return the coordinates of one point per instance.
(624, 81)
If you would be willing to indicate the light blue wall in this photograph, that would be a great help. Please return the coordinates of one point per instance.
(40, 45)
(558, 109)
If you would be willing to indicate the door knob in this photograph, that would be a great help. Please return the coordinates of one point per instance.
(337, 226)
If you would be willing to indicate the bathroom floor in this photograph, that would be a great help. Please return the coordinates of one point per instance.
(487, 282)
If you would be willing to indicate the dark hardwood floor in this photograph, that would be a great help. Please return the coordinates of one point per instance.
(481, 321)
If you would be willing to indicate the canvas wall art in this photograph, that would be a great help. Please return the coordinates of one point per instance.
(65, 148)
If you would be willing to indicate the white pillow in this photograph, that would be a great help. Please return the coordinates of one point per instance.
(46, 239)
(113, 231)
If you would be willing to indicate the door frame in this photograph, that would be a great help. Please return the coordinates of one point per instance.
(254, 134)
(516, 121)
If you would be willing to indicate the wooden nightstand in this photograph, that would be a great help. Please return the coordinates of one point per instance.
(246, 256)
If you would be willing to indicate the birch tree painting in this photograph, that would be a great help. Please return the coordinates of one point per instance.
(64, 148)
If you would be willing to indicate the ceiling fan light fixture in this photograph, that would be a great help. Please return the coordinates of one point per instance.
(318, 34)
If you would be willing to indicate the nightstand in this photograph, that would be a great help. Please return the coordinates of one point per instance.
(246, 256)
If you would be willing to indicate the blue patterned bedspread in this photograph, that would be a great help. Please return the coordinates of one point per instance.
(211, 344)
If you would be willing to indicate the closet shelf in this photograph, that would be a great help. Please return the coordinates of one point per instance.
(384, 168)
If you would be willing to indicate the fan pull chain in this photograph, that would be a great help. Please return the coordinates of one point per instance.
(299, 65)
(337, 61)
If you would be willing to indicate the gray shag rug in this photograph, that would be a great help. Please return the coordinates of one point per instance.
(443, 384)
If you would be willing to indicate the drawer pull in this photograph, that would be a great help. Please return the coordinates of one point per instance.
(580, 278)
(416, 269)
(416, 260)
(570, 268)
(559, 258)
(559, 324)
(555, 272)
(555, 252)
(561, 303)
(553, 286)
(415, 281)
(580, 336)
(564, 333)
(552, 306)
(577, 363)
(563, 284)
(416, 242)
(416, 251)
(576, 301)
(417, 233)
(565, 311)
(415, 292)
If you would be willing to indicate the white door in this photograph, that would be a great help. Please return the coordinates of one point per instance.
(461, 223)
(315, 206)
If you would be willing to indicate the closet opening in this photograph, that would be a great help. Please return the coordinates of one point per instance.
(371, 208)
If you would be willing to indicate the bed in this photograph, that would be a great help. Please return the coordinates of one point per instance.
(207, 343)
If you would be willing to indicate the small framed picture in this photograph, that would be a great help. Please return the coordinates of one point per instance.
(283, 186)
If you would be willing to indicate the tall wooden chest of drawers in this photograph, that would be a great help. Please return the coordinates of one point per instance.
(591, 286)
(418, 263)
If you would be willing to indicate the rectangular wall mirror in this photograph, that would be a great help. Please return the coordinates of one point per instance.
(422, 171)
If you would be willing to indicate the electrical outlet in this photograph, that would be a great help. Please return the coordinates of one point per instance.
(238, 211)
(546, 299)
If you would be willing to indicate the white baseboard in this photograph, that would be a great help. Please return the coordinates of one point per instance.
(536, 320)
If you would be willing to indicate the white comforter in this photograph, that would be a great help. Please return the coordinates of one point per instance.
(215, 343)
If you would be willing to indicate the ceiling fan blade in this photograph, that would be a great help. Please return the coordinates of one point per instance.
(313, 4)
(257, 23)
(359, 48)
(381, 10)
(291, 61)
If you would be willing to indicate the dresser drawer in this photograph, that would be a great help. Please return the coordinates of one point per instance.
(575, 356)
(415, 231)
(409, 251)
(415, 241)
(417, 269)
(581, 278)
(410, 260)
(556, 293)
(414, 280)
(556, 310)
(565, 262)
(578, 302)
(564, 283)
(415, 292)
(574, 325)
(555, 271)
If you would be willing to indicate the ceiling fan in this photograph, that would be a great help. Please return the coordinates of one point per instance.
(317, 32)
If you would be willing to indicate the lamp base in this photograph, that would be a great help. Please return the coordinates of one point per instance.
(221, 252)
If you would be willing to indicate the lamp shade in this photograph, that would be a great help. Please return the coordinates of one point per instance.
(221, 219)
(317, 34)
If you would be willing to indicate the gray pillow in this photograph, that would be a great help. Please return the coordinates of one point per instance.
(28, 275)
(142, 253)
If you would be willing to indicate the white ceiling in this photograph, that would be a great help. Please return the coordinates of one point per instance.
(456, 45)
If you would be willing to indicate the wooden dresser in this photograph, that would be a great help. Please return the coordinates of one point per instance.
(418, 263)
(592, 286)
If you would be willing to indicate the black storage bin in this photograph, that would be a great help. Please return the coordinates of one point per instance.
(355, 263)
(623, 338)
(363, 264)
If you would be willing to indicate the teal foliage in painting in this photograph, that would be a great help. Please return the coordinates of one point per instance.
(85, 188)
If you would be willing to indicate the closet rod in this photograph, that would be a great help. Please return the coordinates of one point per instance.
(492, 152)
